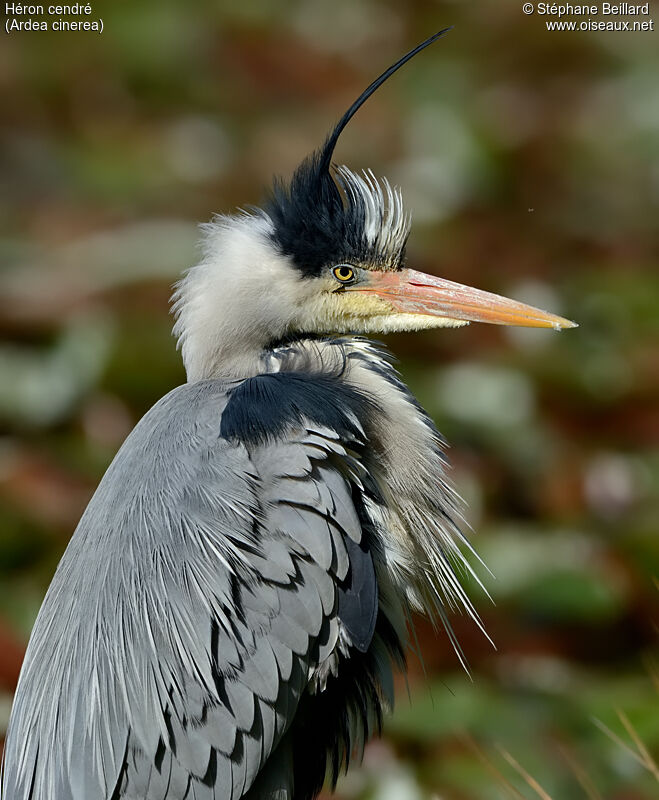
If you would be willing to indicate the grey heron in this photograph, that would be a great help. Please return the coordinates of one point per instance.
(227, 616)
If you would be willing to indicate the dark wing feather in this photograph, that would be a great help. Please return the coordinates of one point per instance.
(358, 597)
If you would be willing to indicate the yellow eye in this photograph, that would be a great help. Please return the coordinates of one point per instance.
(344, 273)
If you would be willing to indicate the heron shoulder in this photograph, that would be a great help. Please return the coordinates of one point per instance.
(264, 407)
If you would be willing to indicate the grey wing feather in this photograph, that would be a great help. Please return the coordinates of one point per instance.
(275, 781)
(179, 629)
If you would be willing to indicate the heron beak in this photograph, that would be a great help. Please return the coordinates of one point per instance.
(414, 292)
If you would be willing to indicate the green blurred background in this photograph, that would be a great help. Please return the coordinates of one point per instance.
(529, 161)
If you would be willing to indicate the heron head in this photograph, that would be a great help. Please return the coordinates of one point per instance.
(325, 255)
(345, 235)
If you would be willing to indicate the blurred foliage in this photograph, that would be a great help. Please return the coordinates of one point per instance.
(529, 161)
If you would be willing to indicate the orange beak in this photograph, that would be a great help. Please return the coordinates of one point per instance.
(414, 292)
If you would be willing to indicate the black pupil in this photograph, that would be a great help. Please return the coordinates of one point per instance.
(344, 273)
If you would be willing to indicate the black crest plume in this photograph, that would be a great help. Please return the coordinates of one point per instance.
(315, 222)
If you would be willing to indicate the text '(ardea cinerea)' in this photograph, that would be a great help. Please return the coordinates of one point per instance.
(227, 616)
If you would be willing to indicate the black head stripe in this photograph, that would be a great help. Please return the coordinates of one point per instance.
(318, 223)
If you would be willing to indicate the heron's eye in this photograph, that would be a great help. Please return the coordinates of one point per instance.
(344, 273)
